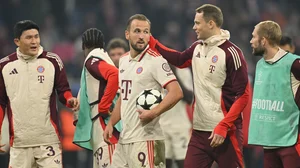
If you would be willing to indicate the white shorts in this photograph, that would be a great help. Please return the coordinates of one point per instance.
(103, 156)
(146, 154)
(45, 156)
(176, 143)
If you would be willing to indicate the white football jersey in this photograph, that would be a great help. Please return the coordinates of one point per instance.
(148, 70)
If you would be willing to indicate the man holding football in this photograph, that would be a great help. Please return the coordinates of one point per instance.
(141, 143)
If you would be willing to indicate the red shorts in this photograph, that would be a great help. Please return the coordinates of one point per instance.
(287, 157)
(228, 155)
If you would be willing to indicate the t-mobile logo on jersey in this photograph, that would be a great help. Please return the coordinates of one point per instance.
(127, 85)
(41, 78)
(212, 68)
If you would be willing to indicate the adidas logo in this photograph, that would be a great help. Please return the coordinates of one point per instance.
(94, 60)
(14, 71)
(57, 161)
(105, 165)
(122, 70)
(198, 55)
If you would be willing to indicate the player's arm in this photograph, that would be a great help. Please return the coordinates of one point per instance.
(76, 113)
(176, 58)
(163, 75)
(116, 113)
(114, 119)
(239, 79)
(296, 72)
(3, 104)
(173, 96)
(61, 85)
(101, 70)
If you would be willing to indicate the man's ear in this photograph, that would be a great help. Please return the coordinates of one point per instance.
(17, 42)
(127, 34)
(211, 24)
(263, 41)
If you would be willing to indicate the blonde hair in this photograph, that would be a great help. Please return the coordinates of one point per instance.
(269, 30)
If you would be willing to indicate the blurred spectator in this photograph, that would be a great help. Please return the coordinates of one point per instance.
(116, 47)
(287, 44)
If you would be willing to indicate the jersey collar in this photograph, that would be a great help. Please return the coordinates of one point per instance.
(277, 56)
(139, 57)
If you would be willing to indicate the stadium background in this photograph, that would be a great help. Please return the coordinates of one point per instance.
(63, 21)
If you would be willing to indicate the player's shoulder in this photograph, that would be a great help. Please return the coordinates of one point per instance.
(196, 43)
(53, 58)
(231, 50)
(49, 54)
(152, 56)
(152, 53)
(233, 55)
(229, 47)
(123, 58)
(297, 59)
(9, 58)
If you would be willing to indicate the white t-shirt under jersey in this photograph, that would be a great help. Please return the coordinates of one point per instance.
(148, 70)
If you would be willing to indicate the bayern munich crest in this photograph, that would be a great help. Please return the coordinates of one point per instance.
(139, 70)
(166, 67)
(40, 69)
(214, 59)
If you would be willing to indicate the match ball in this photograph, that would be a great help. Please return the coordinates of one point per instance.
(148, 99)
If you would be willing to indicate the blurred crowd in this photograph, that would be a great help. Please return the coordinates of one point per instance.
(62, 23)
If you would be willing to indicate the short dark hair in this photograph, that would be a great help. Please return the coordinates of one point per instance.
(137, 17)
(93, 38)
(24, 25)
(286, 40)
(211, 12)
(117, 43)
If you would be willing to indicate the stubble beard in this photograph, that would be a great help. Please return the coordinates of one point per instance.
(259, 51)
(139, 50)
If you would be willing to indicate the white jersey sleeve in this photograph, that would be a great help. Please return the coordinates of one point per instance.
(162, 72)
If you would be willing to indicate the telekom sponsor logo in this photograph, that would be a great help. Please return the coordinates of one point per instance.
(126, 88)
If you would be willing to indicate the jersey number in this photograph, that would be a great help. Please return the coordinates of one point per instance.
(99, 154)
(142, 158)
(51, 151)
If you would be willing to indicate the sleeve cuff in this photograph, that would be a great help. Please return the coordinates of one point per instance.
(166, 83)
(221, 130)
(68, 95)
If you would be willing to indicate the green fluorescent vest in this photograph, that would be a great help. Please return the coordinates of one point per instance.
(275, 115)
